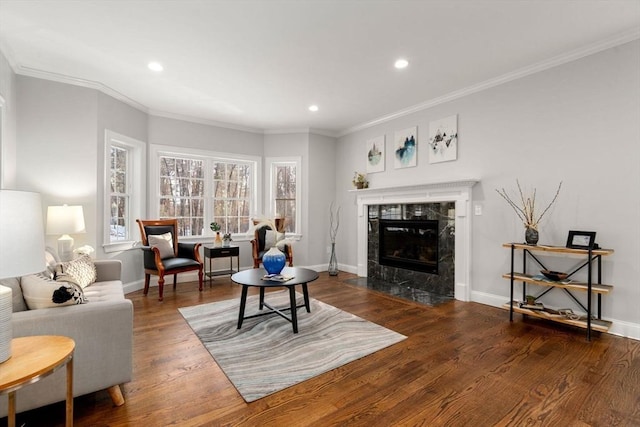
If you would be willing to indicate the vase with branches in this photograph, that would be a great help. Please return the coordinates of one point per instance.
(527, 211)
(334, 224)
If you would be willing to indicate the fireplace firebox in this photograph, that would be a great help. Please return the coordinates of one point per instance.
(409, 244)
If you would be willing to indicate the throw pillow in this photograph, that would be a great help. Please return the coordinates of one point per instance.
(164, 243)
(80, 271)
(40, 291)
(271, 238)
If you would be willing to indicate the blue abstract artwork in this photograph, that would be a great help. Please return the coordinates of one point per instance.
(406, 148)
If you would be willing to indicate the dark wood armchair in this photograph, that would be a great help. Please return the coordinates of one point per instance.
(258, 247)
(162, 254)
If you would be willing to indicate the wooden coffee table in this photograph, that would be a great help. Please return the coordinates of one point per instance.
(33, 358)
(254, 277)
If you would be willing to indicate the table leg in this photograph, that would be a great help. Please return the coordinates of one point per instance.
(69, 405)
(305, 292)
(261, 298)
(292, 302)
(11, 416)
(243, 303)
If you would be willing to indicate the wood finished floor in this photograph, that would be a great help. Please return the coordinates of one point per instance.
(463, 364)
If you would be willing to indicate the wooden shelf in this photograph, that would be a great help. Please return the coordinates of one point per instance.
(596, 288)
(558, 249)
(596, 324)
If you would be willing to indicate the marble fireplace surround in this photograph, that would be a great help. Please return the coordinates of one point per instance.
(459, 192)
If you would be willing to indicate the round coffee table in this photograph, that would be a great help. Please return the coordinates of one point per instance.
(256, 277)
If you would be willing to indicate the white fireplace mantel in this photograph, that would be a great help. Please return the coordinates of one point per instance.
(459, 192)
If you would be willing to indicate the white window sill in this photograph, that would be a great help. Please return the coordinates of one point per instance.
(120, 246)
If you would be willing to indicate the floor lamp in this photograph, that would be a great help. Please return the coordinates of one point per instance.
(21, 251)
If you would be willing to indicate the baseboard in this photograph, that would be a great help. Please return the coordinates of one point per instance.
(618, 327)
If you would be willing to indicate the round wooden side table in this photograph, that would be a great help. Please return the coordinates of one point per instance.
(33, 358)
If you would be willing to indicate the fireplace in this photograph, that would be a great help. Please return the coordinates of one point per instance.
(409, 244)
(454, 229)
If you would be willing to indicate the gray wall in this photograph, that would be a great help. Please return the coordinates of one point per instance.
(577, 123)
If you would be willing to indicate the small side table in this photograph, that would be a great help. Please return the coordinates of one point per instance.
(33, 358)
(221, 252)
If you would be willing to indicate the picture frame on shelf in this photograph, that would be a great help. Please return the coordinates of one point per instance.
(581, 239)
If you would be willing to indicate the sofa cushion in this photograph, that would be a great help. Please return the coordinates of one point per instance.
(18, 303)
(80, 271)
(42, 292)
(164, 243)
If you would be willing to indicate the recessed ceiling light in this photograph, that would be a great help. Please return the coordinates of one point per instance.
(155, 66)
(313, 108)
(401, 63)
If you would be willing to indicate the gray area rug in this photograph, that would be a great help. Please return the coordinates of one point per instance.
(265, 356)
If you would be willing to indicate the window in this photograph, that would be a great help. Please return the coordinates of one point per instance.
(119, 198)
(285, 191)
(124, 189)
(199, 187)
(232, 196)
(182, 193)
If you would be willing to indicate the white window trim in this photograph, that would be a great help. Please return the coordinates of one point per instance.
(156, 151)
(270, 179)
(137, 175)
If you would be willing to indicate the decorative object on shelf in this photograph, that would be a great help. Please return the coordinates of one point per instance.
(274, 260)
(526, 211)
(581, 239)
(375, 154)
(556, 276)
(334, 224)
(22, 234)
(406, 148)
(360, 180)
(65, 220)
(217, 242)
(226, 240)
(530, 299)
(531, 236)
(443, 139)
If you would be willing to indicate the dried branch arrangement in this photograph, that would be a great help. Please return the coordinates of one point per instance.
(526, 211)
(334, 222)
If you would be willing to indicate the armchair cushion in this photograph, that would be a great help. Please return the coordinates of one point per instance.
(164, 243)
(271, 238)
(172, 263)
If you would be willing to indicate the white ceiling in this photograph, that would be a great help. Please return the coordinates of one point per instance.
(258, 65)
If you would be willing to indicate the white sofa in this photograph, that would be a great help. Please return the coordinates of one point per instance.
(102, 329)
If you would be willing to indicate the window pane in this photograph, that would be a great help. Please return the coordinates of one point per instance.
(118, 197)
(182, 193)
(231, 195)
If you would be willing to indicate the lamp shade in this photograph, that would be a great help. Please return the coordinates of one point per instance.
(21, 234)
(21, 250)
(65, 220)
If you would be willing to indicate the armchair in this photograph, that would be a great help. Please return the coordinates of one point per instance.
(258, 247)
(162, 254)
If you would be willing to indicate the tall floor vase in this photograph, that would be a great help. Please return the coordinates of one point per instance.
(333, 262)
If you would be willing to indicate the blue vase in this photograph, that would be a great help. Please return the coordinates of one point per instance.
(274, 261)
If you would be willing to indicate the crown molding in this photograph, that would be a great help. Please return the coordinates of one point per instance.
(321, 132)
(620, 39)
(201, 121)
(76, 81)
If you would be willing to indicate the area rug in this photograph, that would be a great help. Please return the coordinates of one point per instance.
(265, 356)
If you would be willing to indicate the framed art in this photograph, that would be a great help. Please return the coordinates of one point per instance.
(581, 239)
(406, 148)
(375, 154)
(443, 139)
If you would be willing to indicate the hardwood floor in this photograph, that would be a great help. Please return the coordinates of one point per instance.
(462, 364)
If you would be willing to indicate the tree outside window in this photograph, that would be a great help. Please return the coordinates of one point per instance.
(285, 194)
(182, 193)
(232, 196)
(119, 194)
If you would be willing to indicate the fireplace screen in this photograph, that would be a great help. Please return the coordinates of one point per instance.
(409, 244)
